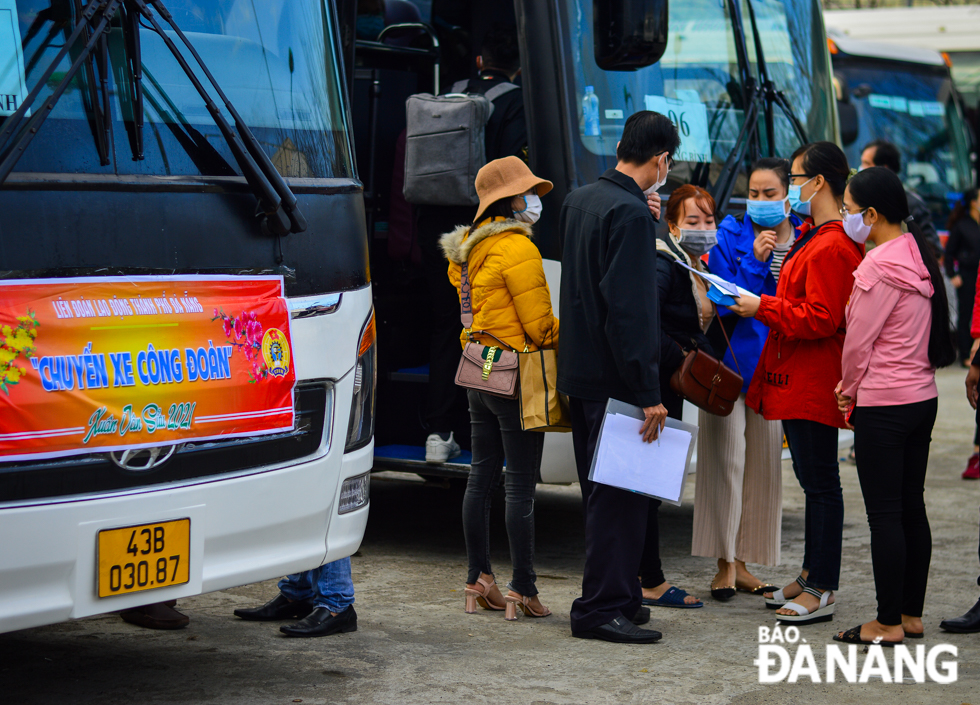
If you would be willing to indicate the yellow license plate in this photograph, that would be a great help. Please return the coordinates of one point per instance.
(144, 557)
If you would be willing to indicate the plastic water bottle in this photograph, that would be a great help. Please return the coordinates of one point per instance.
(590, 111)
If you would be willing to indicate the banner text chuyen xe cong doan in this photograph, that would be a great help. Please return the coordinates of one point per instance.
(100, 364)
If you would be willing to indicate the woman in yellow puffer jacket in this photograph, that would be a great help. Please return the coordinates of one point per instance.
(510, 299)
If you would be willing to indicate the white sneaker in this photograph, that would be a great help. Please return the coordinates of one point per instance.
(439, 451)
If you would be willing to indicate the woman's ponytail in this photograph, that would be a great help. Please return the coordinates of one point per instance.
(941, 351)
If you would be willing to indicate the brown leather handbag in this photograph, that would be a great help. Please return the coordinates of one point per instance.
(706, 382)
(492, 369)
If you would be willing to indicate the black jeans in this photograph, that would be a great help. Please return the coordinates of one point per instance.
(891, 444)
(813, 446)
(615, 531)
(444, 350)
(496, 434)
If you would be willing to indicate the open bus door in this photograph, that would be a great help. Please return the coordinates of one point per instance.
(740, 80)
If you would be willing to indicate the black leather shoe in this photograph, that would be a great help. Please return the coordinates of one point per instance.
(276, 609)
(642, 616)
(969, 623)
(161, 615)
(620, 631)
(321, 623)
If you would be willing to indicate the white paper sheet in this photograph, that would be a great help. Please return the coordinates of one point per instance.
(726, 286)
(746, 293)
(623, 460)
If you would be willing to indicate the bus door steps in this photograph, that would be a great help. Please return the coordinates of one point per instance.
(411, 374)
(406, 458)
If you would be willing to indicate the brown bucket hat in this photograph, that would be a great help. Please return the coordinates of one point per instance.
(506, 178)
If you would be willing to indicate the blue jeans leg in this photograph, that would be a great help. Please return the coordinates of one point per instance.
(298, 586)
(813, 446)
(329, 586)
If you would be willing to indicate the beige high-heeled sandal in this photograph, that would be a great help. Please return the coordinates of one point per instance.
(515, 600)
(480, 594)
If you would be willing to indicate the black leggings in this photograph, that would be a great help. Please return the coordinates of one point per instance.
(891, 444)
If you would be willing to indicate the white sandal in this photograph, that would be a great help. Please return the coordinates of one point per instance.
(823, 613)
(778, 599)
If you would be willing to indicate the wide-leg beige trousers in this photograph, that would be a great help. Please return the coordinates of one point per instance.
(738, 498)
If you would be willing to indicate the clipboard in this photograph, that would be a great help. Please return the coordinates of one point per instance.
(627, 463)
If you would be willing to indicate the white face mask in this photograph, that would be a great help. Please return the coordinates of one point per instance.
(697, 242)
(658, 185)
(856, 228)
(532, 209)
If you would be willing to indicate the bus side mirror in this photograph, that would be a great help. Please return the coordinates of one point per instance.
(848, 116)
(629, 34)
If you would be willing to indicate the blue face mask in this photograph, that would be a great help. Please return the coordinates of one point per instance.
(801, 207)
(768, 214)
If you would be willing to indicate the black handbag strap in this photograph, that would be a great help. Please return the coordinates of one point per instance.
(727, 341)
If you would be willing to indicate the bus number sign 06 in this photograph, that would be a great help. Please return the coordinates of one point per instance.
(143, 557)
(680, 123)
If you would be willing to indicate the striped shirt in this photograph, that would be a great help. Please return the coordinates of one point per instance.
(779, 253)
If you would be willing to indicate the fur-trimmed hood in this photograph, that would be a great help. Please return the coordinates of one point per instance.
(456, 245)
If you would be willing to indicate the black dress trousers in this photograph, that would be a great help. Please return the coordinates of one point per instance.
(615, 531)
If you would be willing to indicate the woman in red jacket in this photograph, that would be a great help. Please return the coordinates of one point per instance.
(795, 379)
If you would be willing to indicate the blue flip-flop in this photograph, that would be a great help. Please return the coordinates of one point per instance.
(674, 597)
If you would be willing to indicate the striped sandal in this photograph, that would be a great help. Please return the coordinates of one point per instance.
(778, 599)
(823, 613)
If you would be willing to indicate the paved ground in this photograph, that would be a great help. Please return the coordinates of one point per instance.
(415, 644)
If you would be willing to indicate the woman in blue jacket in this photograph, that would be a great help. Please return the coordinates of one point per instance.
(738, 495)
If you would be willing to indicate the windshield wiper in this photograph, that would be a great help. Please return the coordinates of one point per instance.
(269, 186)
(760, 98)
(206, 158)
(134, 60)
(278, 208)
(103, 10)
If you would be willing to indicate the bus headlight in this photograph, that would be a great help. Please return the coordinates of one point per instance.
(354, 493)
(360, 429)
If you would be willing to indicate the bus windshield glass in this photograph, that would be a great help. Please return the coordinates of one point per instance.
(917, 112)
(697, 82)
(274, 60)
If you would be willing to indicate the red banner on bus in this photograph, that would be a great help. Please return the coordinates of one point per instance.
(101, 364)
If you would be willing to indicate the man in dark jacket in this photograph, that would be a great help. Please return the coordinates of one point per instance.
(884, 153)
(610, 349)
(505, 136)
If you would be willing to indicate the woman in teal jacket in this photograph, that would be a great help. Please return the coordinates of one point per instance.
(738, 495)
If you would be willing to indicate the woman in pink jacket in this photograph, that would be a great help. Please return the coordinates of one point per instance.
(897, 335)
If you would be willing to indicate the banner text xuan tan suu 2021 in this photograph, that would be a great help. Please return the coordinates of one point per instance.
(100, 364)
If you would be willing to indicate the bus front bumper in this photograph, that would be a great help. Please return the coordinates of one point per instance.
(242, 530)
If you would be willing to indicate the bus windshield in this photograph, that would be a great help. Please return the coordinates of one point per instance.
(697, 81)
(916, 111)
(268, 58)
